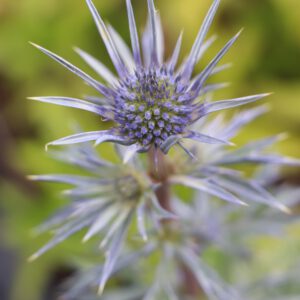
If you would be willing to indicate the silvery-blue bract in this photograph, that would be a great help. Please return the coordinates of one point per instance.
(151, 101)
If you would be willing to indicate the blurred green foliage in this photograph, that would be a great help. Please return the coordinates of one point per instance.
(266, 58)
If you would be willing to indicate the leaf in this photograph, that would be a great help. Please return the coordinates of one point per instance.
(207, 186)
(251, 191)
(134, 34)
(101, 222)
(202, 138)
(192, 59)
(71, 179)
(241, 154)
(147, 44)
(114, 251)
(221, 68)
(210, 88)
(273, 159)
(225, 104)
(130, 152)
(170, 142)
(243, 118)
(82, 282)
(214, 287)
(141, 221)
(174, 59)
(101, 69)
(88, 79)
(160, 39)
(75, 103)
(153, 32)
(113, 228)
(206, 46)
(201, 78)
(98, 136)
(122, 49)
(63, 233)
(107, 39)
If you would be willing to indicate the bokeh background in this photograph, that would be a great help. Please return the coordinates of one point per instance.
(266, 59)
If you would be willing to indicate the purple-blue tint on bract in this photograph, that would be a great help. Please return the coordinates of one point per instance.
(151, 102)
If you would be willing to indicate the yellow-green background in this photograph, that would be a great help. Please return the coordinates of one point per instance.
(266, 59)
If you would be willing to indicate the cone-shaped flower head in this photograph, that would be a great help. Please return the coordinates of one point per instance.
(152, 102)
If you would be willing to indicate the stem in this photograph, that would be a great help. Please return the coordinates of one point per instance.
(190, 283)
(160, 170)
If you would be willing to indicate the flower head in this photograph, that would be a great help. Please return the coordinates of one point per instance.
(152, 103)
(217, 174)
(205, 225)
(105, 202)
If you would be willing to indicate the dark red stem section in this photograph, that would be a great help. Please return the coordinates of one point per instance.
(160, 169)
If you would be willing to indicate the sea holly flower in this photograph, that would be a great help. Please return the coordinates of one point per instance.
(105, 202)
(205, 225)
(166, 281)
(151, 101)
(234, 223)
(217, 174)
(82, 285)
